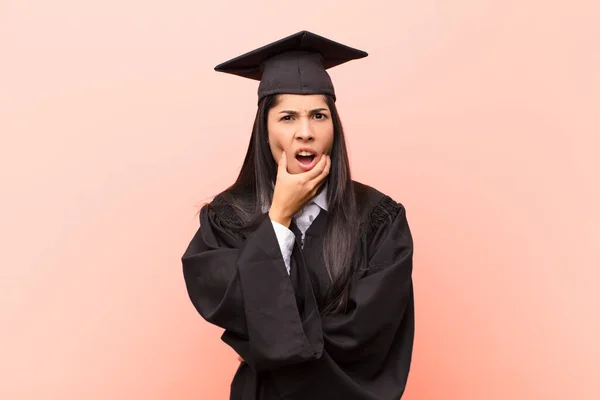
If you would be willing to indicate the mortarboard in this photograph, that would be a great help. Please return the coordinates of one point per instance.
(296, 64)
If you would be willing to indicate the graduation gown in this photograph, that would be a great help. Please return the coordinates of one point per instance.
(292, 350)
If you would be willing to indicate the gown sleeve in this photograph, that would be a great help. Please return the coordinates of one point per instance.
(368, 348)
(380, 298)
(243, 287)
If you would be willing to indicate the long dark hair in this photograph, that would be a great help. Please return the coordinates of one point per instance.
(254, 187)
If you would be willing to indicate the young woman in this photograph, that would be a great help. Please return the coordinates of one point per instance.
(308, 272)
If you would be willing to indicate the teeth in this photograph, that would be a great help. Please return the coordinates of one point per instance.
(305, 153)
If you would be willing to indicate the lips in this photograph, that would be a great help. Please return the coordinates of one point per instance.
(307, 158)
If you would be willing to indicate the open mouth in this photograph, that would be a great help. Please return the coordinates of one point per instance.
(306, 158)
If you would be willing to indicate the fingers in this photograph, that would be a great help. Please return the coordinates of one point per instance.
(325, 170)
(316, 182)
(317, 170)
(321, 177)
(282, 165)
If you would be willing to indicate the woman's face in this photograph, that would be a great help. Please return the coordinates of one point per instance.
(301, 126)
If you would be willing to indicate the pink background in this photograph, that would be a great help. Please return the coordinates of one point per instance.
(482, 117)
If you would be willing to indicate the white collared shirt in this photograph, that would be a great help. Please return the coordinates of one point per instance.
(303, 219)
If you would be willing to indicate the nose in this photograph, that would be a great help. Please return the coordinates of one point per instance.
(304, 131)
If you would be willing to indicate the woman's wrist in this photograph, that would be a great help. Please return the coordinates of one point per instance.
(280, 217)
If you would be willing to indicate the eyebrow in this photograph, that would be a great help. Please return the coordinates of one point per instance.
(292, 112)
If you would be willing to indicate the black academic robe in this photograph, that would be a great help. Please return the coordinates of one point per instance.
(292, 350)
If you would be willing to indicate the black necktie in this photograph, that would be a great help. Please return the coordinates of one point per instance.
(294, 228)
(293, 269)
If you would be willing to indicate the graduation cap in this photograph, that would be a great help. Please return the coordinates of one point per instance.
(296, 64)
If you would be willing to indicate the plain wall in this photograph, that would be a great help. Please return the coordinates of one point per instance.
(481, 117)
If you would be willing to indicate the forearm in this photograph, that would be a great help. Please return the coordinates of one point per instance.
(278, 334)
(248, 292)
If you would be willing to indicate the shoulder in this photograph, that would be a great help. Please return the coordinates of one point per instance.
(222, 208)
(371, 200)
(233, 211)
(232, 197)
(376, 208)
